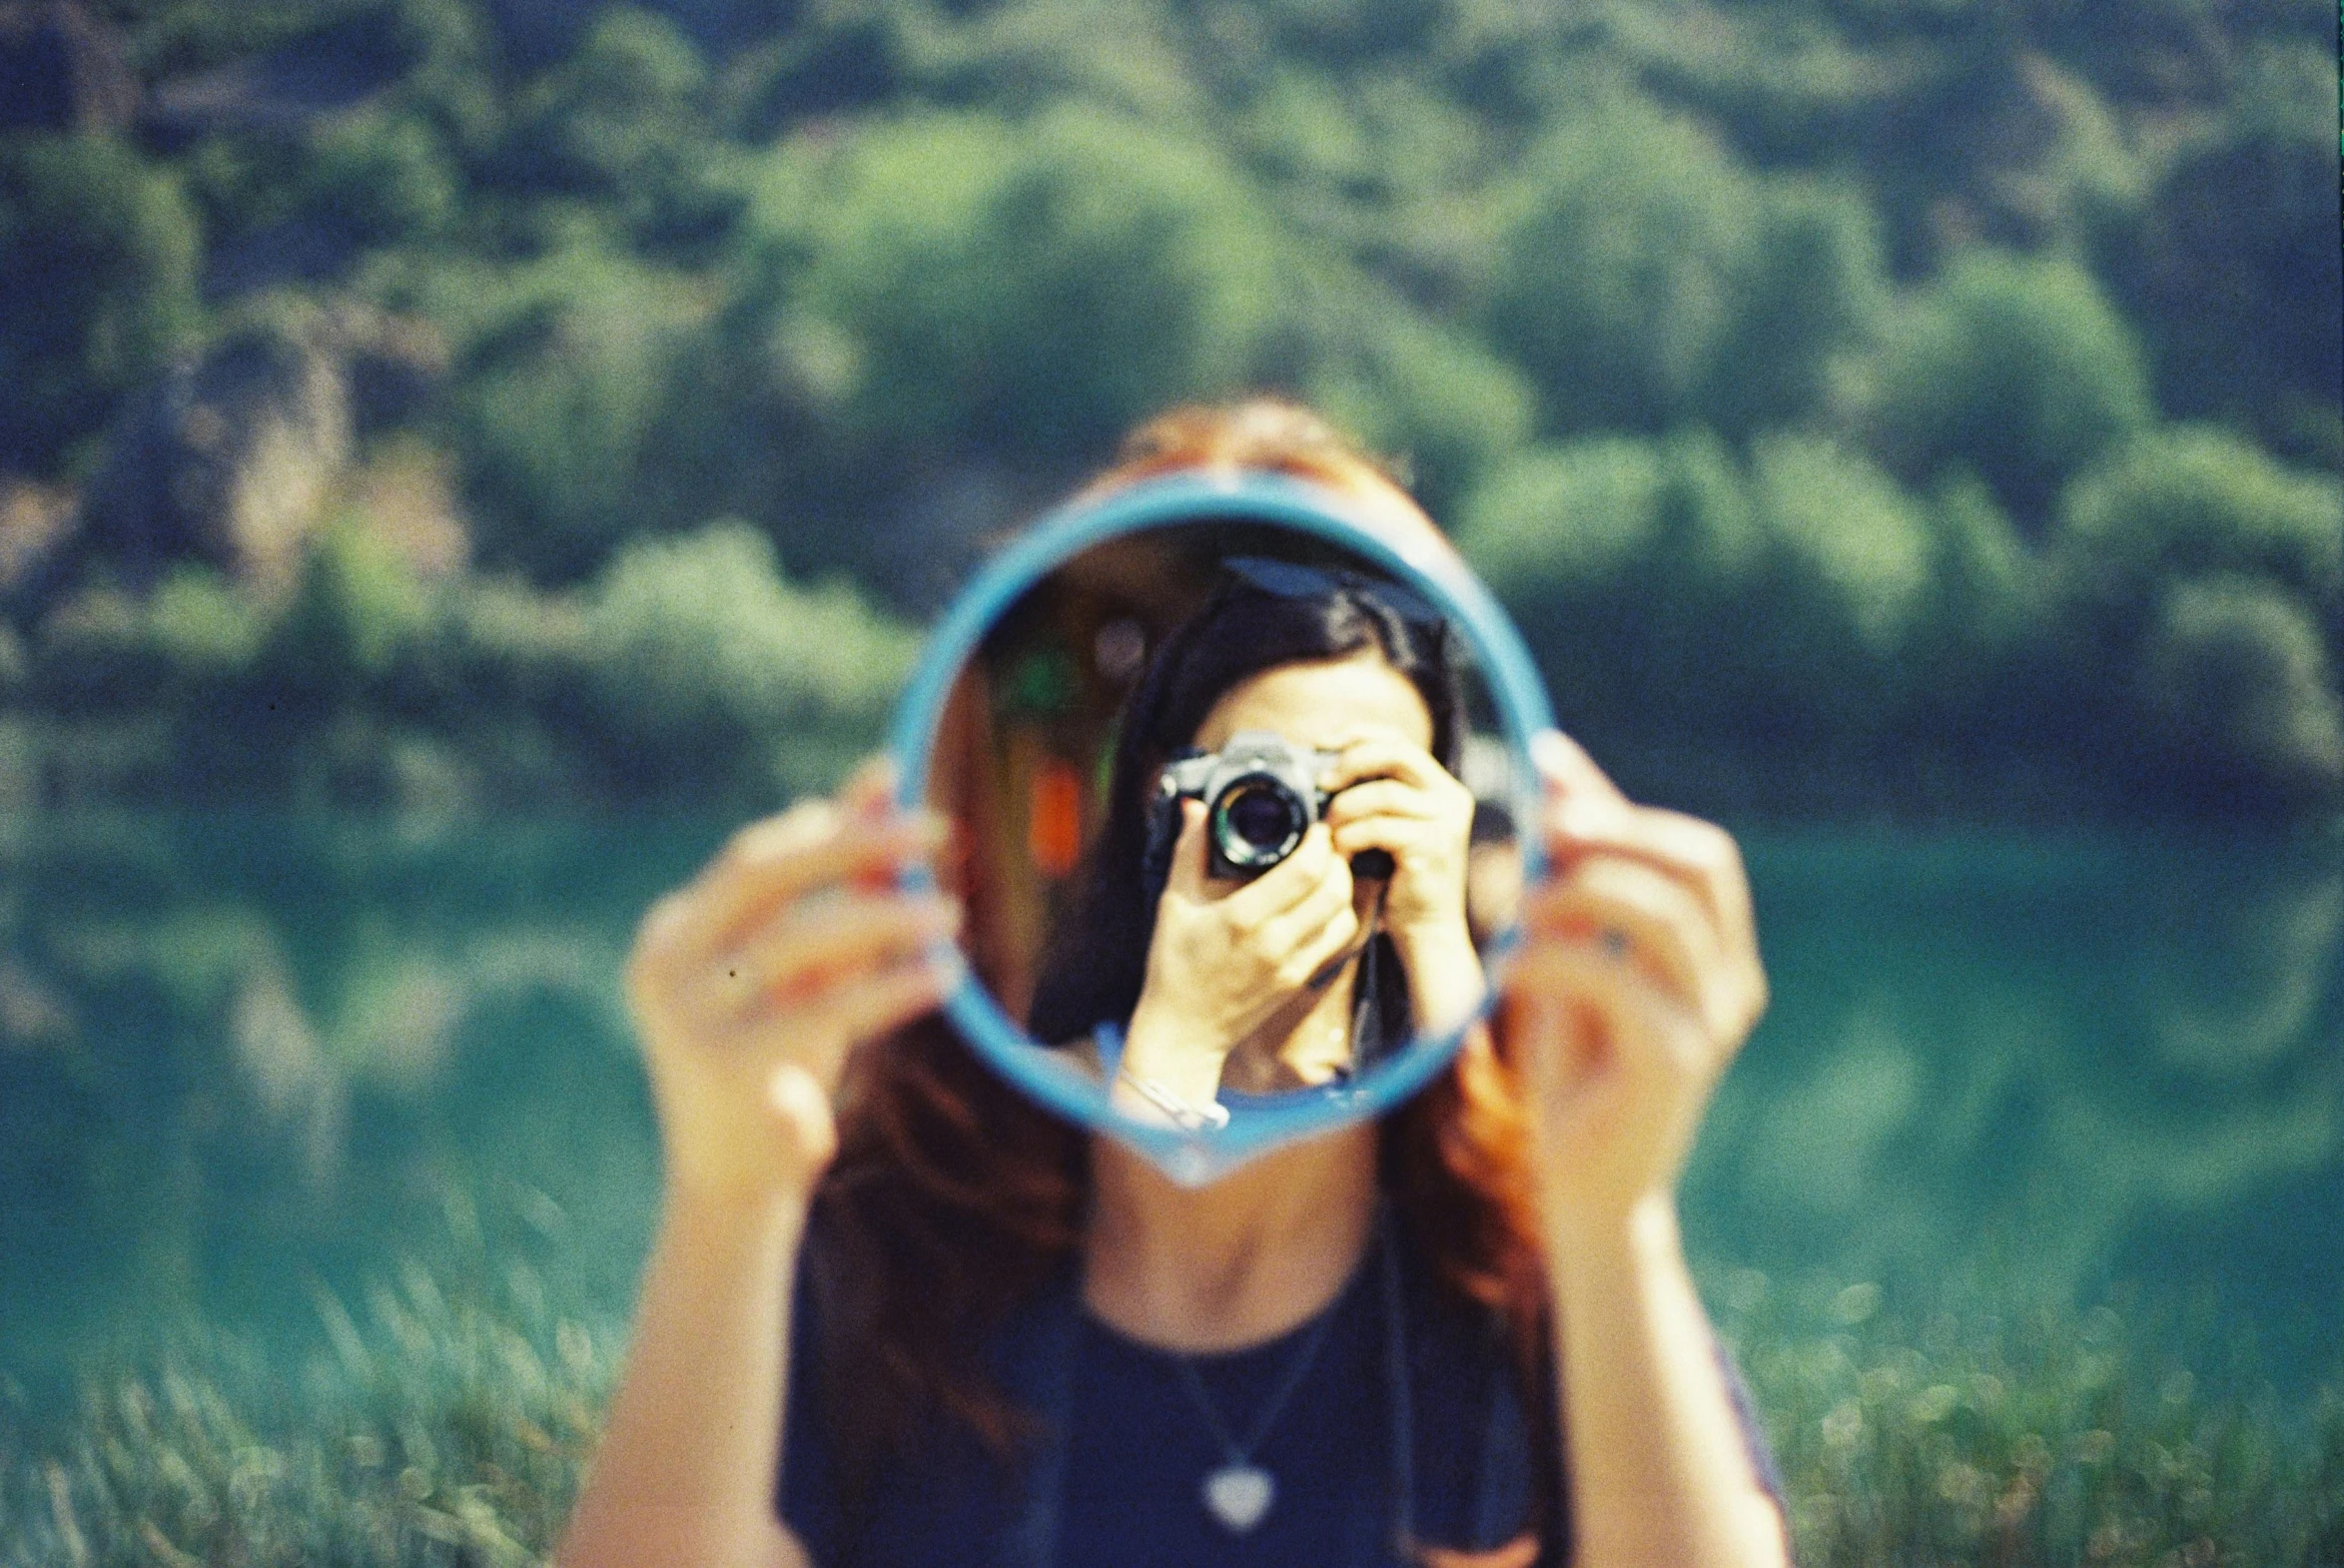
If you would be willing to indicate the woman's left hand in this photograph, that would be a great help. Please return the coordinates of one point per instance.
(1638, 982)
(1392, 796)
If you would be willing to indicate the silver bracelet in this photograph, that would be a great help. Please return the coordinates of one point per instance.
(1187, 1117)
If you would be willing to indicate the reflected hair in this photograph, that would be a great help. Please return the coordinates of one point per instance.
(1098, 956)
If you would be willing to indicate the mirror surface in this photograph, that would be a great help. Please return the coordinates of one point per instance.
(1235, 804)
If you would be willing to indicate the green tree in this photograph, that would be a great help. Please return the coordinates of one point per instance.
(708, 671)
(1617, 252)
(2240, 697)
(1420, 389)
(357, 613)
(2017, 369)
(1792, 617)
(1645, 276)
(1806, 291)
(1625, 561)
(941, 317)
(2232, 265)
(2191, 502)
(567, 373)
(377, 180)
(625, 121)
(98, 257)
(2203, 585)
(1030, 291)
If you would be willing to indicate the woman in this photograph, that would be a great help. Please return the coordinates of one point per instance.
(964, 1252)
(1298, 975)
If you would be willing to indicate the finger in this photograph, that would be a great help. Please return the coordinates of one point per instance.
(781, 858)
(868, 1007)
(1378, 755)
(1664, 927)
(801, 1103)
(1699, 854)
(1389, 796)
(1298, 925)
(1287, 882)
(860, 1010)
(1396, 836)
(1187, 875)
(1321, 957)
(821, 939)
(1567, 768)
(1600, 1014)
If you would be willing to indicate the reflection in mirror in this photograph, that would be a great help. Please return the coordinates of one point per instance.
(1233, 815)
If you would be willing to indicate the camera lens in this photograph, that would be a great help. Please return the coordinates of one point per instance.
(1256, 823)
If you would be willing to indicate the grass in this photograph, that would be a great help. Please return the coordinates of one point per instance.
(447, 1427)
(2037, 1438)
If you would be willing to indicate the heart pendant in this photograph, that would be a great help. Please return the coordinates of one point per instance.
(1238, 1496)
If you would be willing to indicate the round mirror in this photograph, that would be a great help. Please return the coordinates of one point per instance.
(1236, 767)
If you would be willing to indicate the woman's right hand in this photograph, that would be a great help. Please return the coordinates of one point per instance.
(750, 985)
(1227, 955)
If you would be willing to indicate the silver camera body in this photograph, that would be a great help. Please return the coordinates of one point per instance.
(1260, 794)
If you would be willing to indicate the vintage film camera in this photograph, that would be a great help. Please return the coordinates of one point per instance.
(1260, 794)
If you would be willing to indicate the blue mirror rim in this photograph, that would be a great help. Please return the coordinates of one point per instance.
(1423, 562)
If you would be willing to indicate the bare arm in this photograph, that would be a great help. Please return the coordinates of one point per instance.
(1639, 982)
(748, 988)
(1659, 1470)
(685, 1471)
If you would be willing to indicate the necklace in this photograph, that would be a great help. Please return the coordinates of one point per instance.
(1238, 1492)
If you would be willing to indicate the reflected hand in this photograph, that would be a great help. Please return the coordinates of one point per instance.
(1638, 982)
(751, 984)
(1226, 955)
(1393, 796)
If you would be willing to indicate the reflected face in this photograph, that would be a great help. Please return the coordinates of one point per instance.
(1323, 703)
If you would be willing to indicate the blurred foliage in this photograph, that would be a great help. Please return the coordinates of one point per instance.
(2015, 369)
(450, 1427)
(2043, 1439)
(702, 661)
(98, 265)
(1882, 293)
(557, 410)
(1025, 291)
(688, 670)
(455, 1416)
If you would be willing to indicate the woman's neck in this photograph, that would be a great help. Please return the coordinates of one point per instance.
(1235, 1263)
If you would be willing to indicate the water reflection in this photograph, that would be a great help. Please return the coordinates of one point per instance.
(237, 1056)
(240, 1055)
(2047, 1071)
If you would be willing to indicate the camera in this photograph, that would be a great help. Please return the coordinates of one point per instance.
(1260, 794)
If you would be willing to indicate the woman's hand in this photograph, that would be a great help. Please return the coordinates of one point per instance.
(751, 984)
(1226, 955)
(1639, 981)
(1392, 796)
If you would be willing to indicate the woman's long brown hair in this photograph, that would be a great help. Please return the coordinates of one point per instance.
(954, 1196)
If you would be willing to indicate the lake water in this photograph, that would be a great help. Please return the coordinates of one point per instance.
(244, 1058)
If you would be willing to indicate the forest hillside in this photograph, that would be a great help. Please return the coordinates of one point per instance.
(1921, 408)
